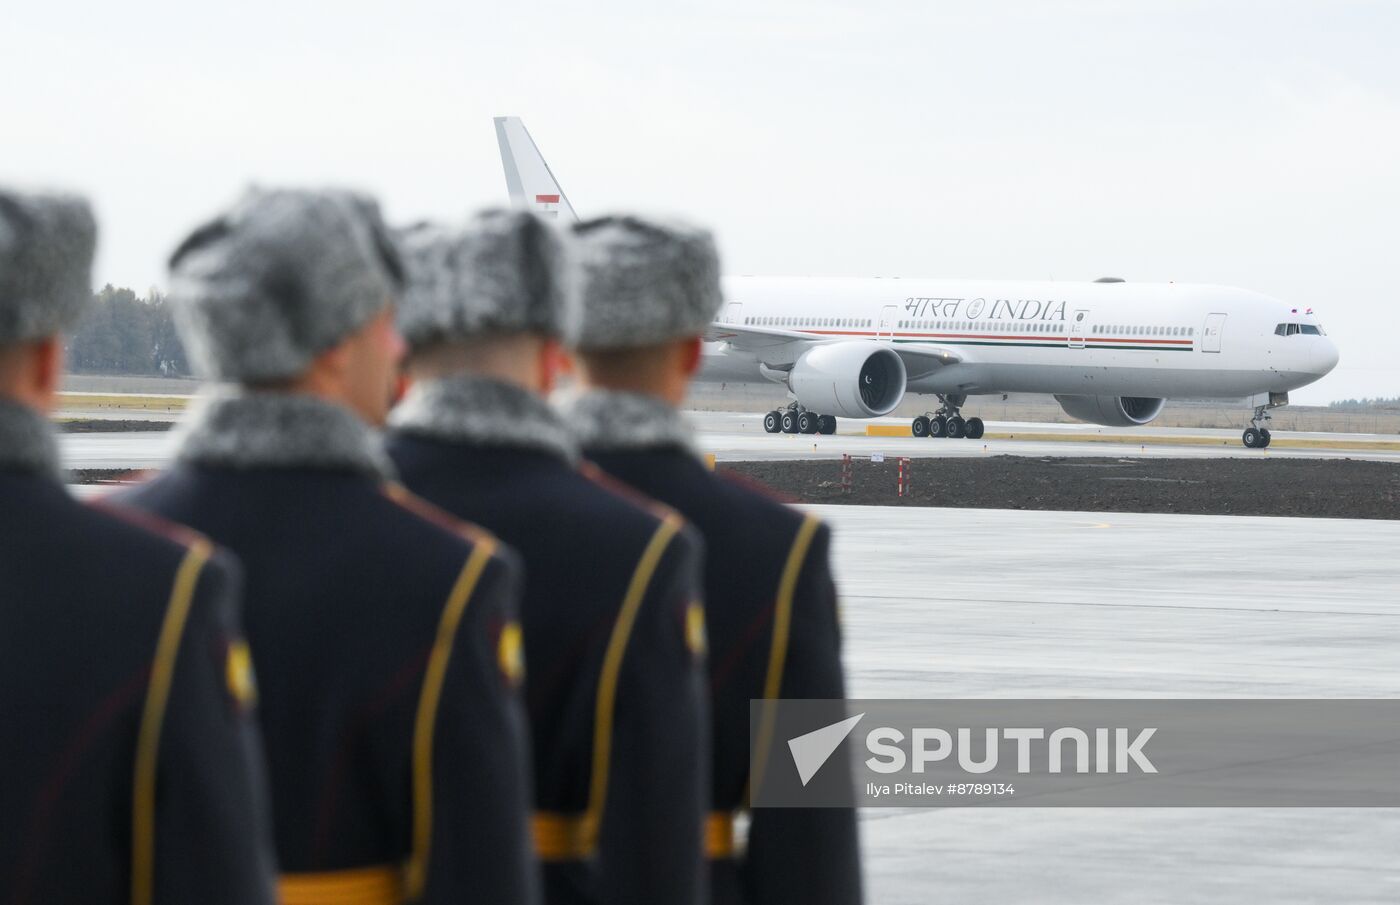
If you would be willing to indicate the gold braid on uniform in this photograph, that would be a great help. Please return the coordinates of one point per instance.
(389, 884)
(565, 837)
(777, 655)
(143, 810)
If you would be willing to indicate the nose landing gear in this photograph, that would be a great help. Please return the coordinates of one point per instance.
(1257, 435)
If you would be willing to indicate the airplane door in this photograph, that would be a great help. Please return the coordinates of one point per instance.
(888, 315)
(733, 314)
(1077, 328)
(1210, 336)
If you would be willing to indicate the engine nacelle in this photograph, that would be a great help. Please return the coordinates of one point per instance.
(1112, 411)
(851, 379)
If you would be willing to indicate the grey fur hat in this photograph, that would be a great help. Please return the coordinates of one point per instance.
(280, 277)
(501, 272)
(643, 281)
(46, 247)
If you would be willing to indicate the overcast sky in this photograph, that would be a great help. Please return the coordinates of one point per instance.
(1254, 144)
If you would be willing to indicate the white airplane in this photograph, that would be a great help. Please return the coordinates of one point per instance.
(1109, 351)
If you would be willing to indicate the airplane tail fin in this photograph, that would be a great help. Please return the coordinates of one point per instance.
(532, 186)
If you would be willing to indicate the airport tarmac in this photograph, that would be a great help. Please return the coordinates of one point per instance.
(735, 436)
(998, 603)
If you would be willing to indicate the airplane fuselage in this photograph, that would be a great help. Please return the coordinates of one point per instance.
(1160, 340)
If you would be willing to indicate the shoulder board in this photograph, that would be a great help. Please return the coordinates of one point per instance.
(147, 521)
(629, 493)
(442, 518)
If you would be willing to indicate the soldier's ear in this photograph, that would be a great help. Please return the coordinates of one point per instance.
(330, 368)
(690, 355)
(554, 363)
(48, 366)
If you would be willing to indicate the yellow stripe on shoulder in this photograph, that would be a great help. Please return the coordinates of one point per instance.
(172, 629)
(438, 516)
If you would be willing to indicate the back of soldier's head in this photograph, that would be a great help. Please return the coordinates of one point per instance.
(643, 282)
(483, 292)
(46, 250)
(278, 278)
(649, 289)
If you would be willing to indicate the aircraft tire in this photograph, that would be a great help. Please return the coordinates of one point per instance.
(1251, 438)
(1267, 437)
(826, 425)
(938, 427)
(957, 427)
(975, 428)
(789, 423)
(920, 426)
(808, 423)
(772, 422)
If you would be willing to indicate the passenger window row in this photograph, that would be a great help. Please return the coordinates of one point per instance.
(808, 321)
(1134, 330)
(1119, 329)
(970, 325)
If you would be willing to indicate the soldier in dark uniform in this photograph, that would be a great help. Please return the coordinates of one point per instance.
(132, 767)
(614, 627)
(384, 631)
(649, 292)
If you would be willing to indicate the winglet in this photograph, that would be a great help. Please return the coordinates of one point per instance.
(528, 178)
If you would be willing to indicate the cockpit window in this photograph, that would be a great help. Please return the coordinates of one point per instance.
(1295, 329)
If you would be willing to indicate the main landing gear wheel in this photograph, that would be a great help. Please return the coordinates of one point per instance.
(948, 421)
(798, 420)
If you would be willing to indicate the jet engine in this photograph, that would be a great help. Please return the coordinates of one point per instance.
(851, 379)
(1112, 411)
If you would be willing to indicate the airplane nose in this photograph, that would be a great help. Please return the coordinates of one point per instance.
(1324, 357)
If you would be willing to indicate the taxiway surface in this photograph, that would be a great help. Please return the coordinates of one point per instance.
(997, 603)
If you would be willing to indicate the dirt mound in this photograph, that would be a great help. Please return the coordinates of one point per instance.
(1323, 488)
